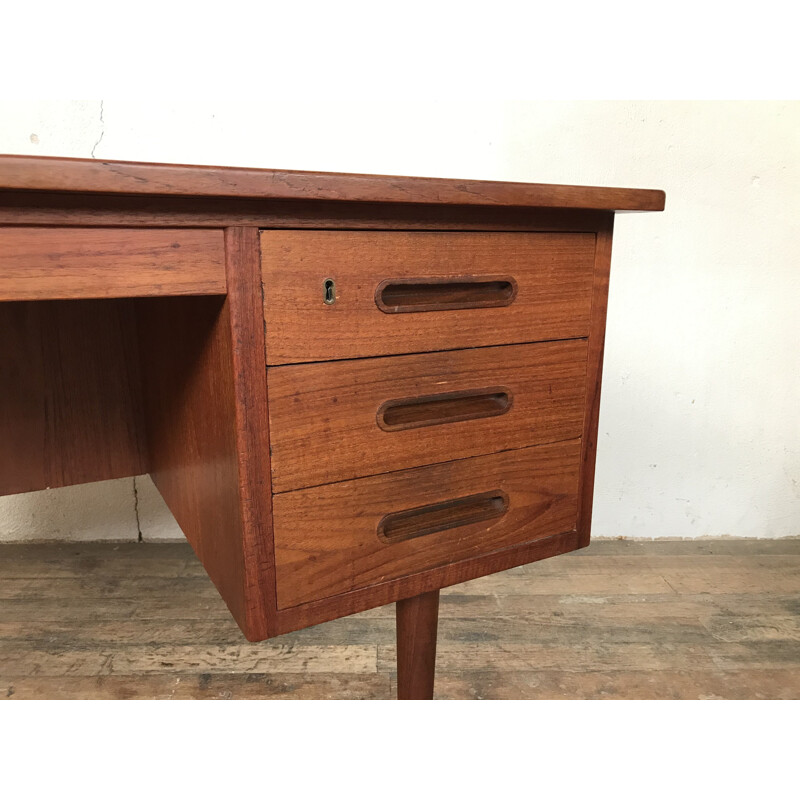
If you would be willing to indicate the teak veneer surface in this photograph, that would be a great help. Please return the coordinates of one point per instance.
(326, 540)
(190, 411)
(552, 272)
(120, 210)
(205, 400)
(324, 423)
(70, 407)
(417, 626)
(70, 263)
(129, 177)
(594, 376)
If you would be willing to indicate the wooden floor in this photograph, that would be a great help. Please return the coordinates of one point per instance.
(619, 620)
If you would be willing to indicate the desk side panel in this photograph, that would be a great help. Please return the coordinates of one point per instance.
(204, 386)
(594, 375)
(189, 411)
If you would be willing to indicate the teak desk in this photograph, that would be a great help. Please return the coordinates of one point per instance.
(351, 390)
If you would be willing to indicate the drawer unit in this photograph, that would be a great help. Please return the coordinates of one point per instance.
(345, 419)
(350, 535)
(434, 425)
(340, 294)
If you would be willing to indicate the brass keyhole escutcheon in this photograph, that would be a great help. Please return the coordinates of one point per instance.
(329, 292)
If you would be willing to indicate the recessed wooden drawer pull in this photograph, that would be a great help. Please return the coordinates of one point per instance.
(402, 525)
(405, 295)
(436, 409)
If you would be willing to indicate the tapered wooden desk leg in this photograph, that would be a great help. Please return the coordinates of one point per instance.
(417, 621)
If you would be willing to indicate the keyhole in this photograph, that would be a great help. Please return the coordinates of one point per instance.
(329, 292)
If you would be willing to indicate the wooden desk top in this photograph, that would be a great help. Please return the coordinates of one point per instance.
(89, 176)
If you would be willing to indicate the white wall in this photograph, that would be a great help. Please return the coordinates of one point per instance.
(699, 429)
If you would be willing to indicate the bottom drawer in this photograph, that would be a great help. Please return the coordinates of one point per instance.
(343, 536)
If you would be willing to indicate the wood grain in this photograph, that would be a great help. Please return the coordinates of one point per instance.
(585, 633)
(326, 540)
(206, 413)
(203, 686)
(65, 209)
(70, 405)
(190, 414)
(553, 274)
(594, 377)
(417, 622)
(415, 295)
(243, 268)
(399, 526)
(127, 177)
(445, 407)
(149, 660)
(73, 263)
(324, 417)
(390, 591)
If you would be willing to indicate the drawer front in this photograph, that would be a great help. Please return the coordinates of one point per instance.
(336, 538)
(340, 420)
(75, 263)
(398, 292)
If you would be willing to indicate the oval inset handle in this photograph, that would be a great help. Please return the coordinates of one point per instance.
(437, 409)
(405, 295)
(424, 520)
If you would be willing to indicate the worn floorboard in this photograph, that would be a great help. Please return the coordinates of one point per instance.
(621, 619)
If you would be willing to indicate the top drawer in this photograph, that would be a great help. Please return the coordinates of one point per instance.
(400, 292)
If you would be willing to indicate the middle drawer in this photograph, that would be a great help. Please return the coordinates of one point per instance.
(339, 420)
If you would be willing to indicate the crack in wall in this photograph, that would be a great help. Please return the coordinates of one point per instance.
(102, 130)
(139, 537)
